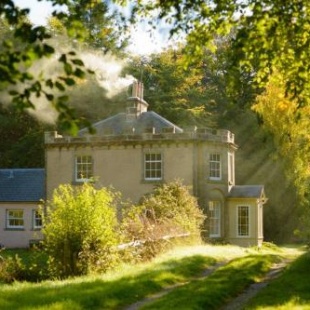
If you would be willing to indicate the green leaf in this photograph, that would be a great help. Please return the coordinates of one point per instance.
(78, 62)
(60, 86)
(49, 97)
(48, 49)
(79, 73)
(69, 81)
(68, 68)
(49, 83)
(63, 58)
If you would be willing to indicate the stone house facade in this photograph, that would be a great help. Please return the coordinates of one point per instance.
(137, 149)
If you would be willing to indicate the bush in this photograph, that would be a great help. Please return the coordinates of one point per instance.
(80, 230)
(167, 213)
(22, 265)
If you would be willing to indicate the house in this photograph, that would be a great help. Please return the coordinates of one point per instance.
(20, 193)
(137, 149)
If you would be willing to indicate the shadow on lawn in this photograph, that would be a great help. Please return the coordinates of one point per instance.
(216, 290)
(99, 293)
(290, 290)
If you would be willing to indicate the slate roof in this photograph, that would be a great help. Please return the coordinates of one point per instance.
(121, 123)
(246, 191)
(22, 185)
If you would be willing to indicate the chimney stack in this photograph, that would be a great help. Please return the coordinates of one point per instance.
(137, 90)
(138, 105)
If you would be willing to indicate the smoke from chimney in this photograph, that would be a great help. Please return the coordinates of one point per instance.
(107, 69)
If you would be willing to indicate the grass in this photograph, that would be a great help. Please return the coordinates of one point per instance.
(290, 291)
(133, 283)
(215, 290)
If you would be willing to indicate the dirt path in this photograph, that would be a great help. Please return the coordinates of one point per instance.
(236, 303)
(149, 299)
(240, 301)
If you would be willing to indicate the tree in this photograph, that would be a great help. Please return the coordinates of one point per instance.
(22, 140)
(289, 125)
(25, 44)
(80, 230)
(99, 25)
(267, 35)
(174, 91)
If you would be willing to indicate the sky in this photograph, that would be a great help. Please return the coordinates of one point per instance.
(141, 42)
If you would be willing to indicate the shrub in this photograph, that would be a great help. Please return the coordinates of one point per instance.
(168, 212)
(80, 234)
(22, 265)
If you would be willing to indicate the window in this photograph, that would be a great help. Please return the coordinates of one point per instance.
(15, 219)
(83, 168)
(214, 218)
(231, 170)
(215, 166)
(243, 221)
(36, 219)
(152, 166)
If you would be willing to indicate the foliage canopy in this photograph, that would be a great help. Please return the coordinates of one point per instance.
(266, 35)
(23, 45)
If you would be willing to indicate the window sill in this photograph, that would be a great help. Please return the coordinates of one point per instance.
(14, 229)
(215, 179)
(81, 182)
(155, 181)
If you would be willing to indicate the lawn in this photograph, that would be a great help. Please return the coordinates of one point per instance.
(130, 284)
(290, 291)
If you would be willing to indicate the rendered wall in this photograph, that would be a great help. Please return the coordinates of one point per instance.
(12, 238)
(121, 167)
(255, 237)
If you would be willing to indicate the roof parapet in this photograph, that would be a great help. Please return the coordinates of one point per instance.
(202, 134)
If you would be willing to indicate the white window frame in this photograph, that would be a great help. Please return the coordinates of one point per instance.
(231, 170)
(83, 164)
(215, 166)
(214, 219)
(153, 166)
(12, 215)
(243, 222)
(36, 216)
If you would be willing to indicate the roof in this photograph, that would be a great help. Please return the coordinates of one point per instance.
(121, 123)
(247, 191)
(22, 185)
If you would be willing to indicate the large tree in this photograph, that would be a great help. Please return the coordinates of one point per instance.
(172, 90)
(24, 78)
(267, 34)
(99, 25)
